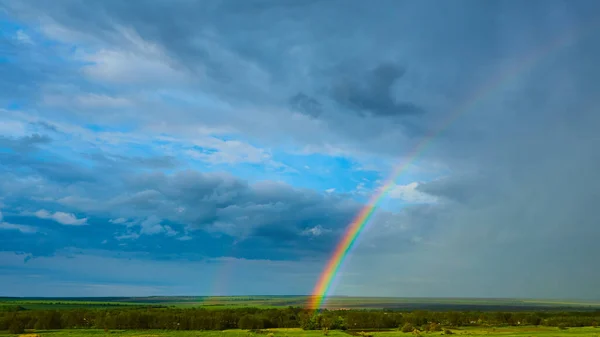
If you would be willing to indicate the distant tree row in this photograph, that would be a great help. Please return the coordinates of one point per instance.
(255, 318)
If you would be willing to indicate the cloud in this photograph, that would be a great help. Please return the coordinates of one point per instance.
(188, 204)
(22, 37)
(318, 230)
(411, 193)
(88, 100)
(114, 66)
(25, 143)
(94, 273)
(198, 123)
(152, 225)
(306, 105)
(212, 58)
(217, 151)
(128, 236)
(376, 97)
(21, 228)
(63, 218)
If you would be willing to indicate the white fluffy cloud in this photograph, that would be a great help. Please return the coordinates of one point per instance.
(63, 218)
(410, 194)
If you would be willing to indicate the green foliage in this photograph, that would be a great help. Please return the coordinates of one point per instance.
(433, 327)
(339, 324)
(16, 327)
(407, 327)
(254, 319)
(251, 322)
(562, 326)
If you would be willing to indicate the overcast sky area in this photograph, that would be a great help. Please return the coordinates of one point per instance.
(222, 147)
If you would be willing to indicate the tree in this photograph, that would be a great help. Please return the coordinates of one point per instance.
(339, 324)
(407, 327)
(433, 326)
(16, 327)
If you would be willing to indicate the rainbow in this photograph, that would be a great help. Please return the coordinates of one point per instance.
(356, 227)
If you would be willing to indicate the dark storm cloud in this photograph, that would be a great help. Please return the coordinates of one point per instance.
(305, 104)
(373, 93)
(222, 203)
(264, 220)
(46, 126)
(27, 156)
(519, 208)
(24, 144)
(229, 43)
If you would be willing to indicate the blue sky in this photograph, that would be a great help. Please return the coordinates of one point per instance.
(160, 148)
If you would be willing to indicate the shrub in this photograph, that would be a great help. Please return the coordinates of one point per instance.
(562, 326)
(448, 332)
(433, 327)
(407, 328)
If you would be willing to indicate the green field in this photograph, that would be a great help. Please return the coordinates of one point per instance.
(338, 302)
(475, 332)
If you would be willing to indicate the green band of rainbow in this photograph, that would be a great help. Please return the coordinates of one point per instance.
(323, 285)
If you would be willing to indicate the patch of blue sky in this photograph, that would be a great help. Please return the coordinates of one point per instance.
(42, 53)
(325, 172)
(125, 128)
(251, 172)
(13, 105)
(9, 27)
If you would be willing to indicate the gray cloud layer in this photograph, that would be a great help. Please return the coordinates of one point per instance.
(518, 213)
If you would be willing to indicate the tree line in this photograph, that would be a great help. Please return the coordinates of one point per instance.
(257, 318)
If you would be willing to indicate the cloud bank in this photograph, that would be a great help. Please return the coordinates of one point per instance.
(208, 135)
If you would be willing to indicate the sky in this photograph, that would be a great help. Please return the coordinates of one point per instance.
(223, 147)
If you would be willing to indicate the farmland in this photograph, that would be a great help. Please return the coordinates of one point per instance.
(284, 316)
(471, 332)
(338, 302)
